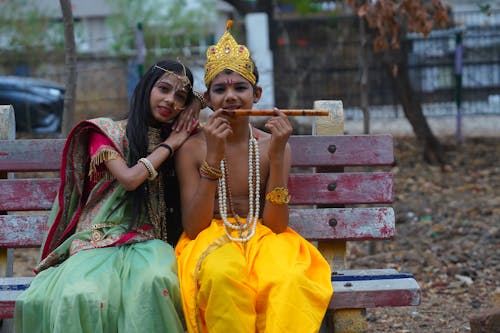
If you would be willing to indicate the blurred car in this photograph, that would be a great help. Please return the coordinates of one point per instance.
(38, 104)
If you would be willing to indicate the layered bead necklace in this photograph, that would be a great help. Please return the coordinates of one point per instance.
(245, 230)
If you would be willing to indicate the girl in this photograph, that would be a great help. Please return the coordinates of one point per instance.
(105, 264)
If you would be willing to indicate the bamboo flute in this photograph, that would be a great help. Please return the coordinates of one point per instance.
(288, 112)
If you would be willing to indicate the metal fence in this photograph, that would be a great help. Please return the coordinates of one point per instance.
(320, 58)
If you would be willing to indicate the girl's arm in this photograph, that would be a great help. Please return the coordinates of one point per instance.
(132, 177)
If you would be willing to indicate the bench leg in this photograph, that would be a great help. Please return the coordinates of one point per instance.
(6, 326)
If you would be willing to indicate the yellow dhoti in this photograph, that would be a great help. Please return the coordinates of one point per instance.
(272, 283)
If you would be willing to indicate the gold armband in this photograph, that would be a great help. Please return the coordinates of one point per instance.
(278, 196)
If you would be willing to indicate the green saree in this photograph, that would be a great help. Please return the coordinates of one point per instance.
(94, 274)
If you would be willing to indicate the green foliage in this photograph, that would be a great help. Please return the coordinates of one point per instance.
(25, 28)
(167, 26)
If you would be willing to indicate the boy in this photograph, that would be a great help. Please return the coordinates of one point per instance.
(241, 268)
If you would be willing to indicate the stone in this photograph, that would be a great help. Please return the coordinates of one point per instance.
(486, 321)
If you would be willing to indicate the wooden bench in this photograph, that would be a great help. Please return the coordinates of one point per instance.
(330, 205)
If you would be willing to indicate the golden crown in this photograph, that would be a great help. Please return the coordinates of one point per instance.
(227, 54)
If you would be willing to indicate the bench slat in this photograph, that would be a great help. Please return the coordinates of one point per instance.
(314, 224)
(357, 289)
(10, 289)
(17, 231)
(371, 288)
(350, 150)
(350, 188)
(28, 155)
(45, 154)
(28, 194)
(350, 223)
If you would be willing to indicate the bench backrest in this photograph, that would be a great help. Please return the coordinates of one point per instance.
(307, 188)
(340, 187)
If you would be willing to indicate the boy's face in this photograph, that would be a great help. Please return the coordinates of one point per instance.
(231, 91)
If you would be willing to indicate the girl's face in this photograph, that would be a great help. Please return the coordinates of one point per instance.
(232, 91)
(168, 98)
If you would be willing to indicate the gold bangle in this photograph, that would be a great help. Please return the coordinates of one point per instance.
(278, 196)
(149, 167)
(210, 171)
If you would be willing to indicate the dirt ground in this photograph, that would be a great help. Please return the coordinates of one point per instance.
(448, 236)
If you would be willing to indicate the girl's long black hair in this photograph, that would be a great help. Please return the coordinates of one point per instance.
(139, 118)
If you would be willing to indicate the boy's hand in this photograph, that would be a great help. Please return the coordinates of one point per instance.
(281, 129)
(216, 129)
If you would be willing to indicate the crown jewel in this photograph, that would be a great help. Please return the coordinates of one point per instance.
(228, 54)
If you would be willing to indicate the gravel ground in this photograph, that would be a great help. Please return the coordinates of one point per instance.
(448, 236)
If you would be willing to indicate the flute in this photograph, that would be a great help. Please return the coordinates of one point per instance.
(288, 112)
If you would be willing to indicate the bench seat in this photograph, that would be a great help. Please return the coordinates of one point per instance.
(353, 289)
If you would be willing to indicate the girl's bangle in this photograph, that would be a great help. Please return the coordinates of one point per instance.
(149, 167)
(168, 147)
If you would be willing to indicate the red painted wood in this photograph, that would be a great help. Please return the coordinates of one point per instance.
(376, 298)
(307, 150)
(350, 223)
(350, 294)
(7, 308)
(306, 189)
(28, 194)
(351, 188)
(351, 150)
(360, 223)
(386, 287)
(313, 224)
(340, 300)
(18, 231)
(29, 155)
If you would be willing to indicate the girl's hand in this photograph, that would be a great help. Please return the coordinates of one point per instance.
(177, 138)
(188, 118)
(281, 129)
(216, 129)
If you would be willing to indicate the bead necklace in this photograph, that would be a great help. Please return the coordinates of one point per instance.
(246, 230)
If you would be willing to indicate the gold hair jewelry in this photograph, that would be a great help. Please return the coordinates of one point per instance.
(278, 196)
(227, 54)
(182, 77)
(199, 96)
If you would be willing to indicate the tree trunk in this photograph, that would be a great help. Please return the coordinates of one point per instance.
(397, 69)
(70, 67)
